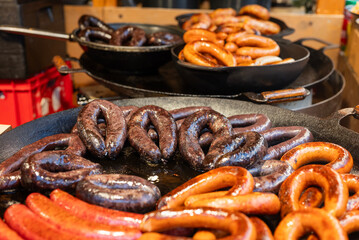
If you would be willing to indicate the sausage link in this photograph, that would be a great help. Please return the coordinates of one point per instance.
(338, 157)
(263, 231)
(297, 224)
(255, 10)
(256, 46)
(56, 169)
(350, 221)
(336, 192)
(115, 128)
(120, 192)
(242, 149)
(9, 169)
(237, 224)
(7, 233)
(190, 132)
(285, 138)
(238, 178)
(165, 126)
(45, 209)
(269, 175)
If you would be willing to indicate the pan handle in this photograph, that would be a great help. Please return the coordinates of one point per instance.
(35, 32)
(278, 96)
(342, 113)
(62, 67)
(328, 44)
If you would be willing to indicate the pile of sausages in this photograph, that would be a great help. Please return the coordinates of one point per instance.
(95, 30)
(252, 174)
(223, 38)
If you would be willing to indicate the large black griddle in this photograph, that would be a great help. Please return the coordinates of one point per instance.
(284, 29)
(135, 60)
(168, 176)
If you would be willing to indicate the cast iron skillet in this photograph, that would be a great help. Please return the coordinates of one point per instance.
(169, 176)
(285, 30)
(134, 60)
(231, 80)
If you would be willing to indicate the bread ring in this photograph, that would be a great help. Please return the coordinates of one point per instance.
(299, 223)
(193, 54)
(255, 10)
(256, 46)
(238, 178)
(336, 192)
(338, 157)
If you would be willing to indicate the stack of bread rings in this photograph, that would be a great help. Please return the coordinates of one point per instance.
(254, 181)
(223, 38)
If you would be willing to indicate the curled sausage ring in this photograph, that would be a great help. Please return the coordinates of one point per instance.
(121, 192)
(166, 129)
(269, 175)
(128, 36)
(238, 178)
(296, 135)
(336, 192)
(237, 224)
(56, 169)
(193, 53)
(9, 169)
(301, 223)
(115, 128)
(338, 157)
(256, 46)
(242, 149)
(190, 132)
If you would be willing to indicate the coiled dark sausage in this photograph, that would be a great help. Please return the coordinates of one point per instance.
(120, 192)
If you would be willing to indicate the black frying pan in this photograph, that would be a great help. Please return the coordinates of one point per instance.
(135, 60)
(231, 80)
(284, 29)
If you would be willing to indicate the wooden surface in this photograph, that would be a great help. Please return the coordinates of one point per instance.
(352, 50)
(326, 27)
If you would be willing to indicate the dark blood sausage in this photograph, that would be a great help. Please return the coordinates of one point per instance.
(288, 138)
(115, 128)
(121, 192)
(163, 38)
(101, 124)
(56, 169)
(129, 36)
(165, 126)
(191, 129)
(179, 115)
(9, 169)
(241, 123)
(268, 175)
(92, 34)
(242, 150)
(86, 21)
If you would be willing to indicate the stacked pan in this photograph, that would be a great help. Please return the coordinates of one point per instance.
(149, 72)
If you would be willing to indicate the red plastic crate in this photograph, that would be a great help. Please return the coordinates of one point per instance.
(24, 100)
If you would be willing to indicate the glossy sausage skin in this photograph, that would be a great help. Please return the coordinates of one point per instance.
(190, 132)
(92, 34)
(263, 231)
(166, 129)
(163, 38)
(120, 192)
(45, 209)
(115, 128)
(7, 233)
(250, 203)
(56, 169)
(9, 169)
(128, 36)
(350, 221)
(192, 52)
(242, 149)
(269, 175)
(292, 136)
(299, 223)
(86, 21)
(336, 192)
(237, 224)
(256, 46)
(238, 178)
(338, 157)
(93, 212)
(255, 10)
